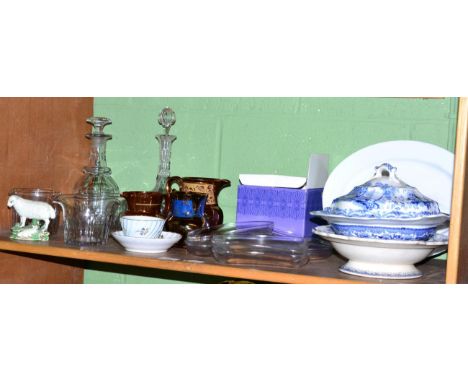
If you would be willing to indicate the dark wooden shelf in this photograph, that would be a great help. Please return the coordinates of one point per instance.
(324, 271)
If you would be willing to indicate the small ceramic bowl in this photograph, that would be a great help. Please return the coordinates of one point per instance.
(147, 227)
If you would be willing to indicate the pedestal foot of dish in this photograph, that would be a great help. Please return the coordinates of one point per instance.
(382, 271)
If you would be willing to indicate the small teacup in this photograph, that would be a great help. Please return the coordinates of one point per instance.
(141, 226)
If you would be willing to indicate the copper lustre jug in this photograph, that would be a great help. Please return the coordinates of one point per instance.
(210, 186)
(187, 212)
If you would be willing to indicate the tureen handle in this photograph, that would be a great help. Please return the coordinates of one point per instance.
(385, 170)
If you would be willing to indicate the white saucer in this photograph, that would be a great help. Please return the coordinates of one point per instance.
(427, 167)
(148, 246)
(388, 259)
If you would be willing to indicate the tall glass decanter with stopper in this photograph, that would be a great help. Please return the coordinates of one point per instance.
(97, 175)
(98, 179)
(167, 119)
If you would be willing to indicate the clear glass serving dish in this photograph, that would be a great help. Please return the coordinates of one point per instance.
(198, 242)
(274, 250)
(255, 244)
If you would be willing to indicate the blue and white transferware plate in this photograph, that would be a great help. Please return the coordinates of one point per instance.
(384, 208)
(440, 239)
(389, 259)
(422, 228)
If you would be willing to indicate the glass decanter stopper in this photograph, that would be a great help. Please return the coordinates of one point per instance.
(167, 119)
(98, 179)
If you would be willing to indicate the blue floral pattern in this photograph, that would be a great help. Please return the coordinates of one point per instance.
(185, 209)
(384, 196)
(385, 275)
(384, 233)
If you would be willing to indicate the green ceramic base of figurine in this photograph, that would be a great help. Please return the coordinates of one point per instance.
(33, 232)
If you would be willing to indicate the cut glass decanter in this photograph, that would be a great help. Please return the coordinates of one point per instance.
(167, 119)
(98, 179)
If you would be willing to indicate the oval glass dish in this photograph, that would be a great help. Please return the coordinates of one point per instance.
(268, 250)
(255, 244)
(198, 242)
(275, 250)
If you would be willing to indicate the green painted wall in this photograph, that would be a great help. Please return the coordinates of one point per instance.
(222, 137)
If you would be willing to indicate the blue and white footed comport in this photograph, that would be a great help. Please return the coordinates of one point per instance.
(384, 208)
(387, 259)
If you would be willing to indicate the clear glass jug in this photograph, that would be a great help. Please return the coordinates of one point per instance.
(87, 218)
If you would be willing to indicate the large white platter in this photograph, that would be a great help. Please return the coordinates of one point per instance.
(425, 166)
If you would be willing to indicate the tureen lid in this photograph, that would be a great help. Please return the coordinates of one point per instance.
(384, 196)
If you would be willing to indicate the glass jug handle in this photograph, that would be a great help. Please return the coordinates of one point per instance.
(55, 201)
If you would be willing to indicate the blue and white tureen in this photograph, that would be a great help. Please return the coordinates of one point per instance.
(384, 208)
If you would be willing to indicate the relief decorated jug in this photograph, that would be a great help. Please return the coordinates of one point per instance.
(210, 186)
(187, 212)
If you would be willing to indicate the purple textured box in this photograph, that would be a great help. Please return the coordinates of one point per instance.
(288, 208)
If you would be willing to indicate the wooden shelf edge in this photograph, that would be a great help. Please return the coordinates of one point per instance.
(188, 266)
(324, 271)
